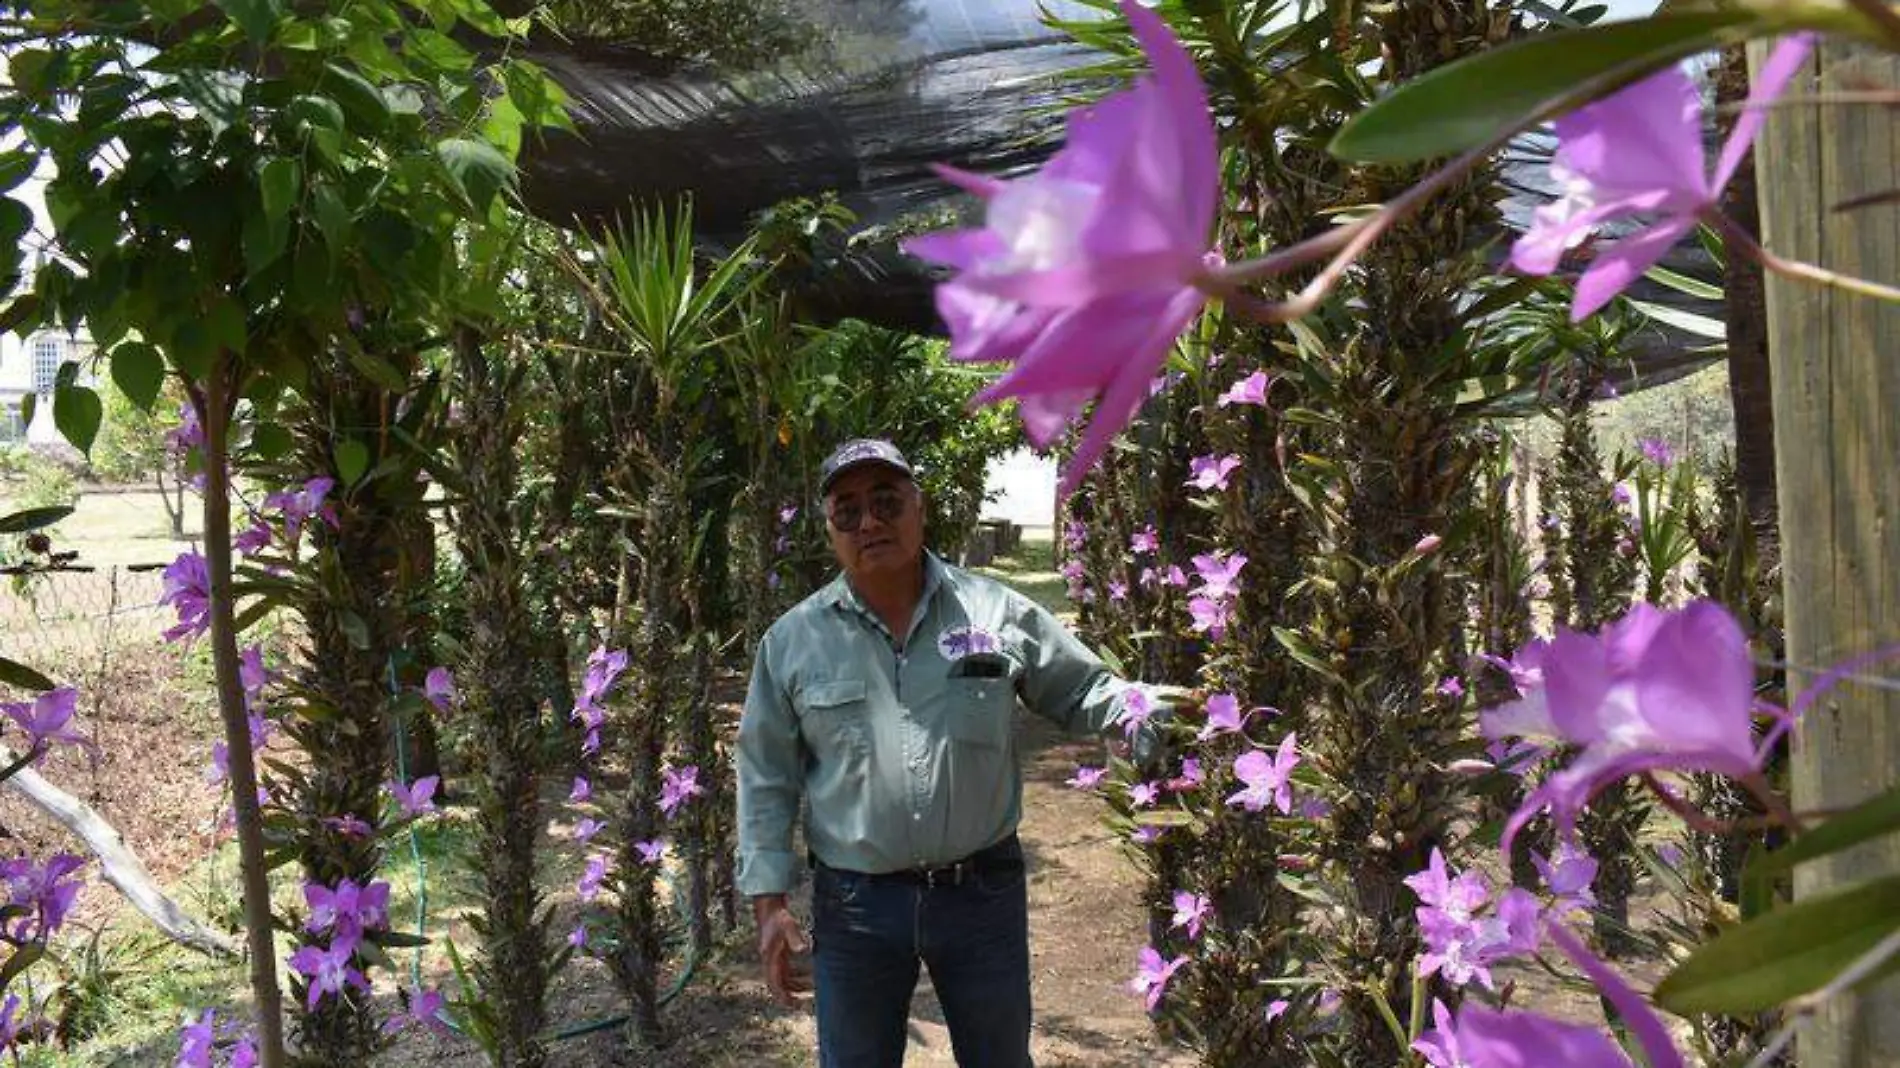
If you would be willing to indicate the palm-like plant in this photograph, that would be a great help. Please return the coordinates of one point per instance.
(671, 316)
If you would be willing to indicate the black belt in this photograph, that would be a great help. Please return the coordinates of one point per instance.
(1004, 856)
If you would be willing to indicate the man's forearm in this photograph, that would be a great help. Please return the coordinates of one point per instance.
(765, 904)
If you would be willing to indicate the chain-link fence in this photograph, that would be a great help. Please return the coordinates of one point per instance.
(62, 615)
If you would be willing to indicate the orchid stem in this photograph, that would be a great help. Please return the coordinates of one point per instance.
(1743, 242)
(1699, 820)
(1758, 785)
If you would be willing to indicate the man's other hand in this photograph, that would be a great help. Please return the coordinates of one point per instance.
(781, 942)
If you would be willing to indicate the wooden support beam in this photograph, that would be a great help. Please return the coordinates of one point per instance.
(1836, 370)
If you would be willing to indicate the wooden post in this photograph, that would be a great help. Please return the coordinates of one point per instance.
(1836, 370)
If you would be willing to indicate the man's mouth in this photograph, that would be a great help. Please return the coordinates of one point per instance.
(875, 543)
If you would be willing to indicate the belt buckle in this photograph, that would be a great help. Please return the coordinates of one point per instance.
(951, 875)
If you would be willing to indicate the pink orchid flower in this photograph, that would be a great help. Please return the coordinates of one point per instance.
(1654, 690)
(1212, 472)
(1268, 779)
(1639, 151)
(416, 799)
(1152, 975)
(1084, 273)
(1249, 390)
(1190, 911)
(438, 687)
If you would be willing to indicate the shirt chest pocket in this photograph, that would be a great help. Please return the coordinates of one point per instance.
(831, 716)
(979, 711)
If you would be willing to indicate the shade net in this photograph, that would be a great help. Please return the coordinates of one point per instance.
(885, 89)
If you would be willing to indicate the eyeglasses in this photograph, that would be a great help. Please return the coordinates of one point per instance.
(886, 505)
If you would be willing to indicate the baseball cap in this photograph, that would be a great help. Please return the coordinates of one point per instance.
(856, 453)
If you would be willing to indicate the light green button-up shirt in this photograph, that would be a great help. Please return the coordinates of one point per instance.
(907, 758)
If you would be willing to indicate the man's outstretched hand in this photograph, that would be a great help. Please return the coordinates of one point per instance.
(781, 941)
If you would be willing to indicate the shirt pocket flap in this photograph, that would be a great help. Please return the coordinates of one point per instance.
(834, 694)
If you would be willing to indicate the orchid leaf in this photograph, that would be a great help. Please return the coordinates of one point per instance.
(1789, 952)
(1463, 105)
(1868, 820)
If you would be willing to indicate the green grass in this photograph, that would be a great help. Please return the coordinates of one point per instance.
(1031, 569)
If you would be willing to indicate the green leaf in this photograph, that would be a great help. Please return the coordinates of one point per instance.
(77, 412)
(1683, 284)
(352, 459)
(1304, 653)
(16, 167)
(1868, 820)
(1469, 103)
(353, 628)
(257, 18)
(33, 518)
(139, 371)
(22, 958)
(363, 103)
(14, 673)
(270, 441)
(1789, 952)
(29, 406)
(476, 169)
(379, 371)
(278, 181)
(1688, 322)
(253, 612)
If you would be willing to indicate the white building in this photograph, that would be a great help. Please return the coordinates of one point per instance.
(31, 366)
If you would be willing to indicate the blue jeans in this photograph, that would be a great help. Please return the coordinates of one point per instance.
(869, 935)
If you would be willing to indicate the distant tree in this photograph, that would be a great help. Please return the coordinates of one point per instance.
(131, 447)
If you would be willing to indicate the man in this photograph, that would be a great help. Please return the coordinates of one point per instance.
(886, 700)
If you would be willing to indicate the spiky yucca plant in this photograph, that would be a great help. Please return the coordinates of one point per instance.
(501, 706)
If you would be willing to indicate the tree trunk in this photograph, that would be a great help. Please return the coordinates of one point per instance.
(215, 417)
(1745, 309)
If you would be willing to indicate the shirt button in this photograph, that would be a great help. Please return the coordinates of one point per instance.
(917, 815)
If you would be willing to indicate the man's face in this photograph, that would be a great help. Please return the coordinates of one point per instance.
(886, 510)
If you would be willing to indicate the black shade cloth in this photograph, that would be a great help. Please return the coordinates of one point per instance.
(888, 88)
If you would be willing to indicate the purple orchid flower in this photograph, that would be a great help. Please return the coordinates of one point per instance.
(1135, 710)
(678, 786)
(1451, 687)
(1485, 1038)
(1639, 151)
(1152, 975)
(1190, 911)
(1219, 574)
(1117, 591)
(253, 539)
(1249, 390)
(1208, 616)
(1568, 874)
(197, 1042)
(418, 798)
(1212, 472)
(596, 873)
(1192, 776)
(47, 719)
(438, 687)
(587, 828)
(1268, 779)
(1084, 273)
(1075, 535)
(582, 791)
(1175, 577)
(349, 825)
(1145, 540)
(306, 503)
(328, 970)
(1086, 778)
(1462, 941)
(189, 434)
(1657, 451)
(425, 1009)
(46, 891)
(1655, 690)
(252, 674)
(1223, 716)
(188, 591)
(1144, 794)
(1146, 834)
(651, 850)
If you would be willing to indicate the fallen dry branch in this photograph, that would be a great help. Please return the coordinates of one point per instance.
(120, 866)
